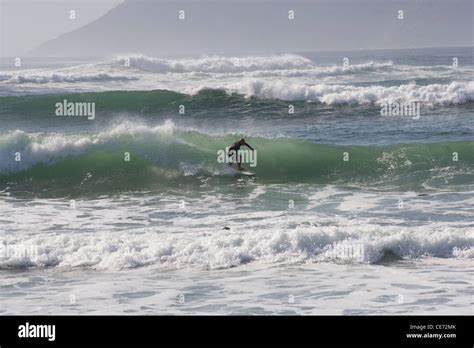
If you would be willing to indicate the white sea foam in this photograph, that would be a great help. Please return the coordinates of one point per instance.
(287, 77)
(288, 65)
(357, 243)
(434, 94)
(433, 286)
(49, 77)
(323, 71)
(37, 148)
(216, 64)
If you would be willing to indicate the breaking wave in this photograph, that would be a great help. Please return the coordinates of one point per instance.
(359, 243)
(217, 64)
(47, 77)
(164, 156)
(455, 93)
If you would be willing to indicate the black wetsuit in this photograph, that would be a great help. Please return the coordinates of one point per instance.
(236, 147)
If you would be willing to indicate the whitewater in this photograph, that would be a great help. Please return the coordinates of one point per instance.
(283, 77)
(350, 211)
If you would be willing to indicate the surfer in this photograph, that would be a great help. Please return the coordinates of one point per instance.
(234, 151)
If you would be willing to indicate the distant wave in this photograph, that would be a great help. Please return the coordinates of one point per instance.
(47, 77)
(217, 64)
(454, 93)
(288, 65)
(323, 71)
(270, 94)
(287, 77)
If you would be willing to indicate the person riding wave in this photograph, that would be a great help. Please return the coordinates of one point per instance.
(234, 151)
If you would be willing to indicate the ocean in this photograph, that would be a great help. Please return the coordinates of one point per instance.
(356, 207)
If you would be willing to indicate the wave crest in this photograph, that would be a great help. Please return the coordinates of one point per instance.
(455, 93)
(359, 243)
(42, 78)
(216, 64)
(165, 156)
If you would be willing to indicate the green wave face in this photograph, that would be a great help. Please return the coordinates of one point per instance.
(21, 112)
(149, 102)
(161, 161)
(284, 160)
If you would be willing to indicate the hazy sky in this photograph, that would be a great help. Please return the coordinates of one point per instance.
(220, 26)
(25, 24)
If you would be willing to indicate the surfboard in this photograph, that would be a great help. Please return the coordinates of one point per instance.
(242, 171)
(245, 172)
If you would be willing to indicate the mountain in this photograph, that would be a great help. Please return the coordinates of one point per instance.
(259, 26)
